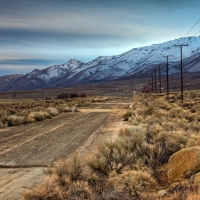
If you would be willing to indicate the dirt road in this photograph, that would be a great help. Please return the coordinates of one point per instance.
(25, 150)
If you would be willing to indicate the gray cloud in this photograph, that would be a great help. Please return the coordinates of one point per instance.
(40, 33)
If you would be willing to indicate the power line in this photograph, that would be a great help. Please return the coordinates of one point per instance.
(197, 33)
(193, 27)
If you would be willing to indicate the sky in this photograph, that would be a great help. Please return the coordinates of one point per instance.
(36, 34)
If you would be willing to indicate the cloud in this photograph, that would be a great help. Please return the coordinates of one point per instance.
(88, 19)
(40, 33)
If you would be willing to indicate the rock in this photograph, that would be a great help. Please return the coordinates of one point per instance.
(197, 178)
(183, 164)
(162, 193)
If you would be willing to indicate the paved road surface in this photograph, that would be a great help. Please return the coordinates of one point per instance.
(24, 150)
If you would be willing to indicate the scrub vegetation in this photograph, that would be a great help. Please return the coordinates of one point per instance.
(27, 111)
(134, 165)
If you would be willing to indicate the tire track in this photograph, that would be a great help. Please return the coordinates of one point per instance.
(19, 134)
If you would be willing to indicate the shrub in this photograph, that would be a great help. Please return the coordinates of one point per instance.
(53, 111)
(39, 116)
(194, 140)
(74, 109)
(14, 120)
(166, 144)
(86, 103)
(127, 115)
(112, 156)
(190, 117)
(46, 115)
(1, 125)
(12, 111)
(62, 182)
(184, 191)
(52, 190)
(138, 179)
(135, 183)
(31, 117)
(63, 96)
(124, 132)
(74, 95)
(79, 190)
(160, 113)
(176, 112)
(117, 155)
(49, 191)
(83, 95)
(147, 110)
(67, 109)
(71, 169)
(3, 114)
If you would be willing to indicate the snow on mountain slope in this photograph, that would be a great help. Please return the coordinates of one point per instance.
(137, 60)
(55, 72)
(105, 68)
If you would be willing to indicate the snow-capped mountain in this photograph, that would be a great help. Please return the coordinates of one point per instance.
(136, 61)
(52, 74)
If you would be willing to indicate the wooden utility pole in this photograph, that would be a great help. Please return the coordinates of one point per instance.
(167, 74)
(160, 77)
(181, 65)
(152, 83)
(150, 86)
(155, 82)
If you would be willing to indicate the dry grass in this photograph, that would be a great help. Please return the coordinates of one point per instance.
(52, 190)
(183, 191)
(14, 120)
(23, 112)
(139, 180)
(73, 169)
(134, 166)
(112, 156)
(65, 181)
(127, 115)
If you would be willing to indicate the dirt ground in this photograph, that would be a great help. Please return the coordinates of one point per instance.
(26, 150)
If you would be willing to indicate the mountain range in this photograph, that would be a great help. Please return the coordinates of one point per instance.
(138, 61)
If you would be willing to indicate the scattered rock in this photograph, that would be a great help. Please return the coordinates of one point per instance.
(183, 164)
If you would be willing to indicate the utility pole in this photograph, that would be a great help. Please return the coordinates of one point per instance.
(150, 86)
(160, 77)
(167, 74)
(152, 83)
(155, 82)
(181, 64)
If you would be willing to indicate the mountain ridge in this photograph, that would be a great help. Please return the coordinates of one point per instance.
(107, 68)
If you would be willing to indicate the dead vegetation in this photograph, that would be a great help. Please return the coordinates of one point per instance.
(134, 165)
(28, 111)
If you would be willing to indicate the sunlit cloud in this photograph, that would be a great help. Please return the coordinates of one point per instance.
(38, 34)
